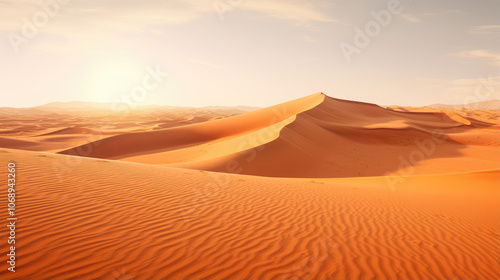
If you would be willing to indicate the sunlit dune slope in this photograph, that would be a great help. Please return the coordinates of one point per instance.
(130, 144)
(84, 218)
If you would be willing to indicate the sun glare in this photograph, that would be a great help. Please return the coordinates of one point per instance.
(115, 78)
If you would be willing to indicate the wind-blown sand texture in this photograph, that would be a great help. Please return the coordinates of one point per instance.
(365, 193)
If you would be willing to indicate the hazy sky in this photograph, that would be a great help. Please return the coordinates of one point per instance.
(248, 52)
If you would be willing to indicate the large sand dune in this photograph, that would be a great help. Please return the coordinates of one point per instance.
(341, 138)
(316, 136)
(185, 136)
(99, 219)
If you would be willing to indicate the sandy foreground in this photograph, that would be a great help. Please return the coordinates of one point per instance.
(316, 188)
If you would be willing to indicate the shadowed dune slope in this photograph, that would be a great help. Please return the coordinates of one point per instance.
(179, 137)
(83, 218)
(340, 138)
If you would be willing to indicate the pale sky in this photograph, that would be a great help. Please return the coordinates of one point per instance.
(249, 52)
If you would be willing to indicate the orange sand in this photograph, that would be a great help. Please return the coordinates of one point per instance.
(106, 218)
(365, 194)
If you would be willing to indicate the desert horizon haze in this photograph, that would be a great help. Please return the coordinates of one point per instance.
(250, 139)
(491, 104)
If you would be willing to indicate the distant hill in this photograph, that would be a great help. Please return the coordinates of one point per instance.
(79, 107)
(74, 104)
(239, 108)
(8, 111)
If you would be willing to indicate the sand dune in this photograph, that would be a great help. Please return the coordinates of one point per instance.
(327, 138)
(131, 144)
(473, 117)
(186, 224)
(493, 104)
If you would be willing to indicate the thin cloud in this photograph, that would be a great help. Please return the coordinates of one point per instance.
(492, 80)
(308, 39)
(410, 18)
(140, 15)
(494, 58)
(459, 12)
(432, 14)
(297, 10)
(487, 30)
(107, 13)
(82, 25)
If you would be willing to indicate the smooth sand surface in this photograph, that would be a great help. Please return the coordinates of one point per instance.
(102, 219)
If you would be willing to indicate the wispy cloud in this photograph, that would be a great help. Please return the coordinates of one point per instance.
(487, 30)
(136, 16)
(410, 18)
(459, 12)
(91, 23)
(297, 10)
(308, 39)
(492, 80)
(111, 14)
(494, 58)
(456, 12)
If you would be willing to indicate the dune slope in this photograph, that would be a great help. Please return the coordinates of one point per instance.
(130, 144)
(340, 138)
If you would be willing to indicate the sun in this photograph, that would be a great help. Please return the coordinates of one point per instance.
(112, 79)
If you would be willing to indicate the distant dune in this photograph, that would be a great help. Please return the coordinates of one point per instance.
(59, 126)
(493, 104)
